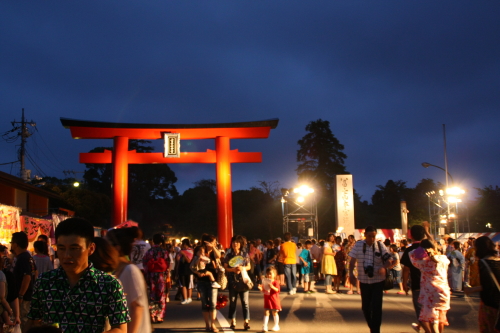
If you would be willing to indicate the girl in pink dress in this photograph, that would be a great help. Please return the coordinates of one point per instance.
(434, 289)
(270, 287)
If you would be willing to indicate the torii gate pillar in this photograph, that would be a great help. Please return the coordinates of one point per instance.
(120, 180)
(224, 193)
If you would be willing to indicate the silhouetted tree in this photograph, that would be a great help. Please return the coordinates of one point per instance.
(486, 209)
(320, 156)
(256, 214)
(386, 203)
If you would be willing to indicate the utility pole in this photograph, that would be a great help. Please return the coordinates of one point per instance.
(24, 133)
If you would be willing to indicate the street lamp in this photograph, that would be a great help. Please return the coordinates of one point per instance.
(426, 165)
(451, 196)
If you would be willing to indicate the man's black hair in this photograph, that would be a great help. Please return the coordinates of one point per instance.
(21, 239)
(370, 228)
(287, 236)
(76, 226)
(41, 247)
(44, 238)
(417, 232)
(159, 239)
(123, 237)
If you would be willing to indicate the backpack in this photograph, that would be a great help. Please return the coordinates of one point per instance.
(157, 265)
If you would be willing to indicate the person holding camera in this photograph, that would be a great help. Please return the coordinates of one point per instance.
(372, 260)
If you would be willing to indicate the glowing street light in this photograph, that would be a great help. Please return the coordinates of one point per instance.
(455, 191)
(303, 190)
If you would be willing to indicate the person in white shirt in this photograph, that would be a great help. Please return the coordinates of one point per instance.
(133, 282)
(139, 248)
(372, 260)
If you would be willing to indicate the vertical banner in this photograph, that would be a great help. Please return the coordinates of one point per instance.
(345, 204)
(404, 219)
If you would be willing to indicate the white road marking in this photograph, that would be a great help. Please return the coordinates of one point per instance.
(223, 322)
(324, 309)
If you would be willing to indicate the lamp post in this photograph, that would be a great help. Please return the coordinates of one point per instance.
(426, 165)
(451, 196)
(433, 226)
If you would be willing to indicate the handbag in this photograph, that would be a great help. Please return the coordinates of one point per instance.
(240, 284)
(221, 277)
(497, 323)
(389, 280)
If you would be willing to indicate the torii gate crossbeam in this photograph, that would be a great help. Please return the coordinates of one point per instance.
(222, 156)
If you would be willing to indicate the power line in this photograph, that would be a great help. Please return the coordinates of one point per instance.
(35, 165)
(46, 145)
(8, 163)
(50, 166)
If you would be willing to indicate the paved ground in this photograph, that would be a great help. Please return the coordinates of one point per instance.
(319, 313)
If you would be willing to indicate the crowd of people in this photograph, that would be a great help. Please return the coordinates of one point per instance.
(121, 282)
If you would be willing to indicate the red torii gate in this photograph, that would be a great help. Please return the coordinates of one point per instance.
(222, 156)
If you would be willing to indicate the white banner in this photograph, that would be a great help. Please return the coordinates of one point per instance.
(345, 204)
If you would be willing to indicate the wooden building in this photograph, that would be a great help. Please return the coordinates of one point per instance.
(32, 200)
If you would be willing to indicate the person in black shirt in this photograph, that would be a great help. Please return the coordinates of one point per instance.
(417, 233)
(24, 273)
(271, 254)
(488, 290)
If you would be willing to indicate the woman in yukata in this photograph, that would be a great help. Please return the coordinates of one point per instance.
(457, 260)
(434, 289)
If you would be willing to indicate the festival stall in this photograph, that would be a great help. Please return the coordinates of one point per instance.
(9, 222)
(463, 237)
(127, 224)
(394, 235)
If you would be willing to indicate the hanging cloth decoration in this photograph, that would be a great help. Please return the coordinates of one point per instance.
(30, 227)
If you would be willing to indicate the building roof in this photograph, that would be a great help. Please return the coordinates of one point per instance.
(19, 184)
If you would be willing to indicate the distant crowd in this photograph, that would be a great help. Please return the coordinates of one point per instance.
(121, 282)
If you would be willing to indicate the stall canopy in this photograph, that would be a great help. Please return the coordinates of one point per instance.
(127, 224)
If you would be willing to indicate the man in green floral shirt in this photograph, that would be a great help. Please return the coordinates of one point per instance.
(77, 296)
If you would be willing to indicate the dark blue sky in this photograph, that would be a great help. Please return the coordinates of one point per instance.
(386, 74)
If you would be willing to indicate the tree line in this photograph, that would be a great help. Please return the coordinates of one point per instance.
(155, 203)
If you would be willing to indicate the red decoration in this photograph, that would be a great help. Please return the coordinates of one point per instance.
(31, 226)
(221, 302)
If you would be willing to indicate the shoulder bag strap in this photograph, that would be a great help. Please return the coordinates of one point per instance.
(491, 273)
